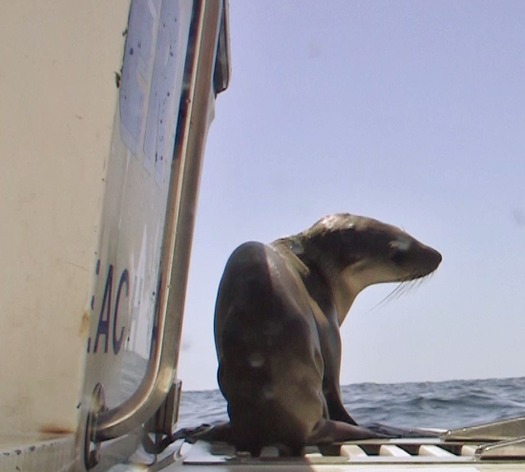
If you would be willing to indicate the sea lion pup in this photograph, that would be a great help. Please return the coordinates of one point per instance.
(277, 318)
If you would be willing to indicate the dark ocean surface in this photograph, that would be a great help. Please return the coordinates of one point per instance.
(446, 405)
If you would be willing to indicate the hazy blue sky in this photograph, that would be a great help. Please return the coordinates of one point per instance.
(411, 112)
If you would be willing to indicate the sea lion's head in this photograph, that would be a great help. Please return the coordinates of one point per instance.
(352, 252)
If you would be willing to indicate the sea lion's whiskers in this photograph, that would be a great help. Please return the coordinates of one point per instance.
(406, 286)
(414, 284)
(395, 293)
(402, 289)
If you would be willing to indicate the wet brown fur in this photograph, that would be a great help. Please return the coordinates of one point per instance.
(277, 319)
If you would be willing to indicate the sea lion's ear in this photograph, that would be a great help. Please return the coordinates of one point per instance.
(296, 246)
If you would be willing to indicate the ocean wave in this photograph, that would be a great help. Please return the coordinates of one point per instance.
(450, 404)
(447, 405)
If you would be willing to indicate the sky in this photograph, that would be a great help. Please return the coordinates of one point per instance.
(409, 112)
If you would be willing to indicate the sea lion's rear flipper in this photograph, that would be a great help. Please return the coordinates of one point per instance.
(397, 432)
(329, 431)
(206, 432)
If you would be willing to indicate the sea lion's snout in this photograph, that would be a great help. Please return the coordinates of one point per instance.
(423, 260)
(434, 259)
(412, 259)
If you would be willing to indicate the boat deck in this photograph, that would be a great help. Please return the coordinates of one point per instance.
(368, 455)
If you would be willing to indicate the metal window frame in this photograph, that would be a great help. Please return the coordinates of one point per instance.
(206, 73)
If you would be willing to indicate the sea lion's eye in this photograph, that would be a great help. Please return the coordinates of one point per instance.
(398, 250)
(397, 256)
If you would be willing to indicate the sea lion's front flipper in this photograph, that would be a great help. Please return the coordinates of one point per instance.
(336, 409)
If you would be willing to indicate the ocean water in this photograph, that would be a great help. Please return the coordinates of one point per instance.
(446, 405)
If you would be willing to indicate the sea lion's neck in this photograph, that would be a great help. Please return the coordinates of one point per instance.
(345, 289)
(332, 289)
(292, 250)
(340, 285)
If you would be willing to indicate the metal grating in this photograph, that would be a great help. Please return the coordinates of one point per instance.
(420, 451)
(495, 446)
